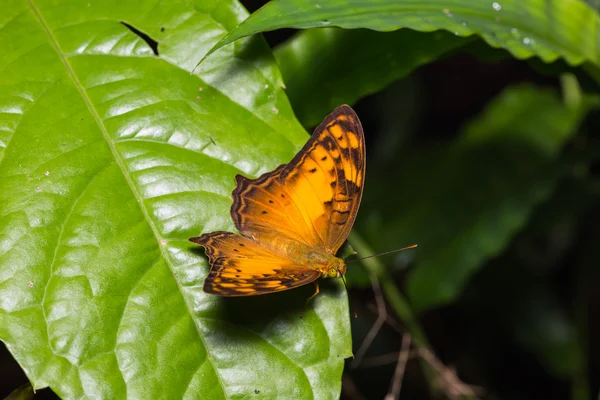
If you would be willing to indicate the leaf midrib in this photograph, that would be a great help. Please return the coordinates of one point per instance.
(118, 159)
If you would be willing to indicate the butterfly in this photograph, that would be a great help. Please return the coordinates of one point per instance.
(292, 220)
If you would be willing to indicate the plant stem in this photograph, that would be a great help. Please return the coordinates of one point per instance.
(402, 308)
(393, 296)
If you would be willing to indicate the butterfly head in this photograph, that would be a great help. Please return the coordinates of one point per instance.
(335, 268)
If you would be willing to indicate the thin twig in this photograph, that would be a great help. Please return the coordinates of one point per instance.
(392, 295)
(381, 318)
(389, 320)
(394, 393)
(378, 361)
(448, 380)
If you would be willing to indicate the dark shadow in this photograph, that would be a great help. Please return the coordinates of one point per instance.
(262, 309)
(259, 310)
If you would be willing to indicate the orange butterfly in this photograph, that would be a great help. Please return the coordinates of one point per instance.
(294, 219)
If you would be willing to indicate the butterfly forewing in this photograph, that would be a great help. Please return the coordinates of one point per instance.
(312, 200)
(264, 209)
(326, 177)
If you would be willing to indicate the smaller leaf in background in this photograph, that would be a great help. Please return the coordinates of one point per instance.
(529, 308)
(541, 324)
(463, 203)
(23, 392)
(524, 311)
(548, 29)
(323, 68)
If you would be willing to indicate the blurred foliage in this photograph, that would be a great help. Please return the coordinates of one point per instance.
(310, 63)
(465, 212)
(482, 129)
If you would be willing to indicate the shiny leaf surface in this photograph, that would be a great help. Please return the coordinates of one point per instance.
(111, 156)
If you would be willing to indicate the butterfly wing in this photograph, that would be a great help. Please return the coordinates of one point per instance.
(311, 202)
(241, 267)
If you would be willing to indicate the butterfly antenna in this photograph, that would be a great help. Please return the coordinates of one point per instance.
(412, 246)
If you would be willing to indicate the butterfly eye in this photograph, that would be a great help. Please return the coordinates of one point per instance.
(332, 273)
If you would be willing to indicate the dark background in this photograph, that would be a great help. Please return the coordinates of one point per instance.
(474, 334)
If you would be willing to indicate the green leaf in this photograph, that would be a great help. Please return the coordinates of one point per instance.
(311, 63)
(111, 157)
(460, 213)
(23, 392)
(548, 29)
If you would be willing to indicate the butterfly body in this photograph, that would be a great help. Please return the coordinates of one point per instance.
(328, 265)
(292, 220)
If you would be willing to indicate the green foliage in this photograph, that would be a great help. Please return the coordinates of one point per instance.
(311, 61)
(547, 29)
(112, 155)
(467, 201)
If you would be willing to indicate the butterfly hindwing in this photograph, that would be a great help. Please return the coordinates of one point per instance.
(241, 267)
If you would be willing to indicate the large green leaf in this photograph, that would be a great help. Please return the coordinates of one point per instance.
(110, 158)
(462, 204)
(311, 63)
(548, 29)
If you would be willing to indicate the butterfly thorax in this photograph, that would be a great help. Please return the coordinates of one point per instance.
(329, 266)
(334, 269)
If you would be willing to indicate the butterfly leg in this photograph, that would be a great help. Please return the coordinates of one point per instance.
(316, 293)
(311, 297)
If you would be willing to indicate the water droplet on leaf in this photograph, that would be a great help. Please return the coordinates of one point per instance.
(528, 42)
